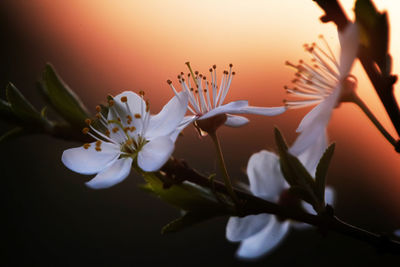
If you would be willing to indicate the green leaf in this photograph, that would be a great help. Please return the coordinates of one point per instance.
(374, 32)
(322, 170)
(186, 196)
(17, 131)
(62, 98)
(293, 170)
(187, 220)
(6, 112)
(21, 107)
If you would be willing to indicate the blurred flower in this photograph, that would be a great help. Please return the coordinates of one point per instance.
(261, 233)
(129, 133)
(206, 98)
(324, 82)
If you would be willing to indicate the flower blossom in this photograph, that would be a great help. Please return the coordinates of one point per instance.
(324, 82)
(261, 233)
(206, 98)
(128, 134)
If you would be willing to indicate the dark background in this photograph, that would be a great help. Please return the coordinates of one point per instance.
(52, 219)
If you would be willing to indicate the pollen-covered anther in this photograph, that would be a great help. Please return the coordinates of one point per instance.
(141, 93)
(233, 73)
(169, 81)
(115, 129)
(214, 66)
(129, 117)
(124, 99)
(98, 108)
(132, 129)
(98, 143)
(231, 65)
(98, 149)
(85, 130)
(210, 69)
(88, 121)
(111, 102)
(119, 119)
(137, 116)
(86, 146)
(98, 115)
(196, 72)
(129, 142)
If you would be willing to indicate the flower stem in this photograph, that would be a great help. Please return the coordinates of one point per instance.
(222, 165)
(356, 100)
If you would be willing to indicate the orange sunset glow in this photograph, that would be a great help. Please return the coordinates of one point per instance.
(102, 47)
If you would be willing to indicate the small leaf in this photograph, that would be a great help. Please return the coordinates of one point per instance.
(187, 220)
(62, 98)
(293, 170)
(374, 32)
(20, 106)
(17, 131)
(186, 196)
(6, 112)
(322, 170)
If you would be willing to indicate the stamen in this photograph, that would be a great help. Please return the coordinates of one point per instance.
(85, 130)
(124, 99)
(86, 146)
(115, 129)
(98, 149)
(98, 108)
(111, 103)
(137, 116)
(88, 121)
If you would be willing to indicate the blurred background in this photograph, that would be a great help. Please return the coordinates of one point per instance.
(106, 47)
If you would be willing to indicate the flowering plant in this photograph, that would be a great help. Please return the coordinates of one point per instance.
(287, 188)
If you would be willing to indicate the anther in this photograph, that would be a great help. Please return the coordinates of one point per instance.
(210, 69)
(98, 143)
(141, 93)
(169, 81)
(179, 77)
(98, 115)
(88, 121)
(124, 99)
(85, 130)
(132, 129)
(137, 116)
(119, 119)
(182, 73)
(129, 117)
(191, 89)
(204, 77)
(115, 129)
(231, 65)
(233, 73)
(196, 72)
(86, 146)
(111, 103)
(98, 108)
(214, 67)
(98, 149)
(147, 106)
(129, 142)
(107, 133)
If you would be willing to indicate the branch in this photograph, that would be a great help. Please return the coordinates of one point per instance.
(179, 171)
(383, 85)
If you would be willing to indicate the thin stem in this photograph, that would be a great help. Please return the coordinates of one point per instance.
(222, 165)
(357, 100)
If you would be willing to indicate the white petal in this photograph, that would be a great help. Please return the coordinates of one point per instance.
(90, 161)
(311, 156)
(114, 174)
(169, 118)
(185, 122)
(264, 241)
(329, 199)
(329, 196)
(238, 228)
(231, 107)
(236, 121)
(349, 42)
(155, 153)
(262, 110)
(265, 176)
(306, 139)
(135, 102)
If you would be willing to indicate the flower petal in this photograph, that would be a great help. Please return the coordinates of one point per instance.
(265, 176)
(306, 139)
(264, 241)
(273, 111)
(169, 118)
(236, 121)
(311, 156)
(349, 42)
(239, 229)
(155, 153)
(90, 161)
(231, 107)
(114, 174)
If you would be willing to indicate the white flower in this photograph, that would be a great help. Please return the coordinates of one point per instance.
(129, 133)
(259, 234)
(324, 82)
(206, 98)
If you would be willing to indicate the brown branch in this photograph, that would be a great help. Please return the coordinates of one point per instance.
(179, 171)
